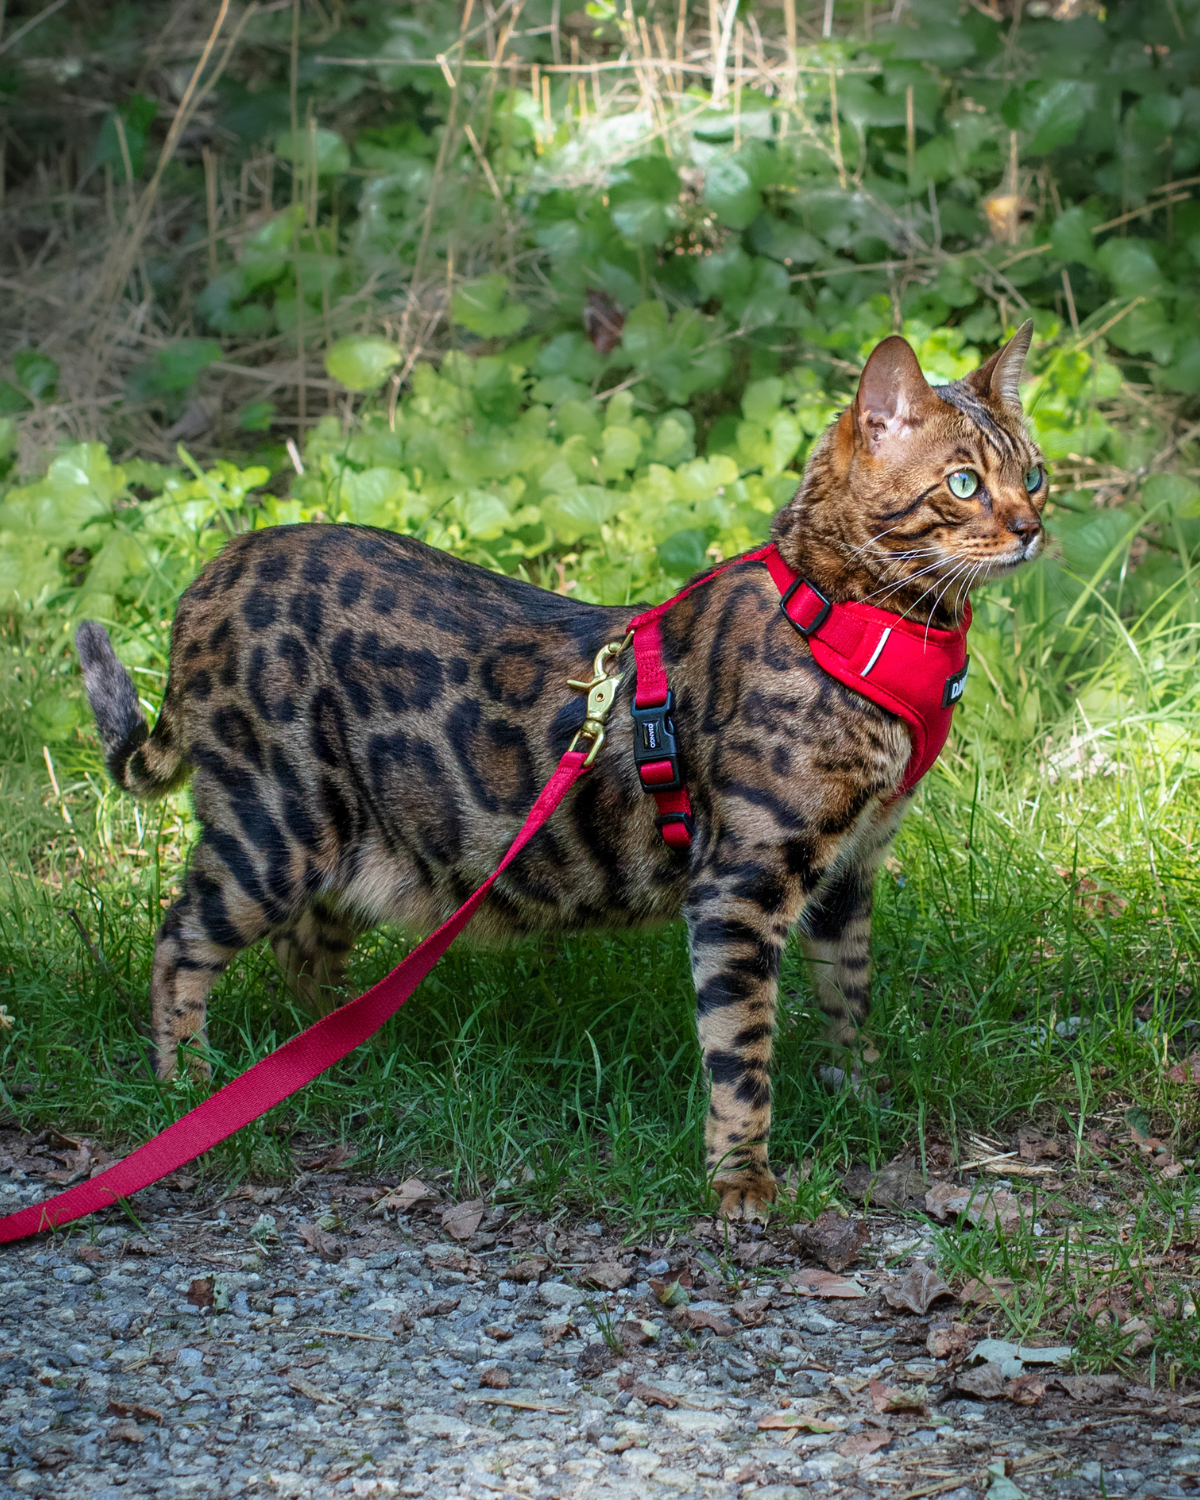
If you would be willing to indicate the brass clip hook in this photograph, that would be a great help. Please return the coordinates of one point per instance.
(601, 693)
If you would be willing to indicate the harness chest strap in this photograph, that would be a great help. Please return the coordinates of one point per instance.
(909, 669)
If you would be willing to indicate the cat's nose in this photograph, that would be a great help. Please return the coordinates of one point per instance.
(1025, 525)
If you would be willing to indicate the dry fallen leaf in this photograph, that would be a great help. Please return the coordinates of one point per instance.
(859, 1444)
(609, 1275)
(325, 1246)
(463, 1219)
(652, 1396)
(202, 1292)
(130, 1431)
(917, 1290)
(892, 1398)
(824, 1284)
(777, 1421)
(832, 1240)
(696, 1318)
(400, 1200)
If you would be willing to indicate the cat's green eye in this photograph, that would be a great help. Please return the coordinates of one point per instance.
(1033, 481)
(963, 483)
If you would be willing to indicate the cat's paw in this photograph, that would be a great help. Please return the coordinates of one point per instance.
(746, 1196)
(187, 1061)
(836, 1079)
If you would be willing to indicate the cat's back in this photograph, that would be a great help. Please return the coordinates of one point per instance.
(293, 621)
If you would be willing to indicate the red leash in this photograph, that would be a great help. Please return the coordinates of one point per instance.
(296, 1063)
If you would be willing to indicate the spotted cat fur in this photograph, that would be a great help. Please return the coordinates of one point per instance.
(368, 720)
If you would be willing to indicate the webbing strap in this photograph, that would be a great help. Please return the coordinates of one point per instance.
(273, 1079)
(647, 656)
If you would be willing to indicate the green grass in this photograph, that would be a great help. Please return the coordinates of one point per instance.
(1035, 948)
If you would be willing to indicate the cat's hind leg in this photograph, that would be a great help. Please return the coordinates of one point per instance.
(313, 950)
(215, 917)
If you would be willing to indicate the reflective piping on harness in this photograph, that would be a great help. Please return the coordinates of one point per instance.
(877, 653)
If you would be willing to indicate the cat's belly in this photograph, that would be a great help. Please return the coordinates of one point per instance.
(537, 893)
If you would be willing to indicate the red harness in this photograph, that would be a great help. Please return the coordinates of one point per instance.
(912, 670)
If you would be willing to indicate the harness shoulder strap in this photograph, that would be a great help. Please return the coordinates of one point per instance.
(911, 670)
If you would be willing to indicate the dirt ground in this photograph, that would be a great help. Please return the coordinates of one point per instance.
(351, 1336)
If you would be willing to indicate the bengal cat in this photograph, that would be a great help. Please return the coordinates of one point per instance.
(369, 720)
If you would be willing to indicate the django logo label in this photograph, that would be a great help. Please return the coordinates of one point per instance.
(954, 686)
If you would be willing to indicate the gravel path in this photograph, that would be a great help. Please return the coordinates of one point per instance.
(314, 1342)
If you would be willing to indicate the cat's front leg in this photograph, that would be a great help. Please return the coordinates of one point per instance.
(835, 933)
(738, 921)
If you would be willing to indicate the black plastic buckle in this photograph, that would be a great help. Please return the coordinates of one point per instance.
(665, 820)
(654, 740)
(822, 614)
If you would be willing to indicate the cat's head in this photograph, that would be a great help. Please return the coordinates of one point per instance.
(919, 492)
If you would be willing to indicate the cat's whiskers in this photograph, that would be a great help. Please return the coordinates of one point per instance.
(889, 590)
(873, 542)
(969, 585)
(967, 567)
(959, 568)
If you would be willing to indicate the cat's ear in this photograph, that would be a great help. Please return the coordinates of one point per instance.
(1000, 378)
(891, 390)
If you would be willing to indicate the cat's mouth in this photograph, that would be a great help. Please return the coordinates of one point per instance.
(1022, 552)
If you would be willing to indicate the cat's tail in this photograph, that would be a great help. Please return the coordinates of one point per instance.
(148, 765)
